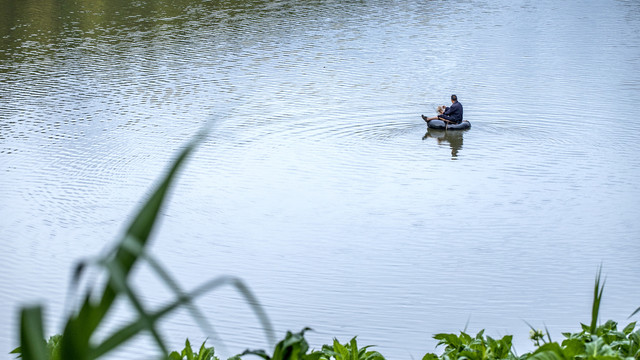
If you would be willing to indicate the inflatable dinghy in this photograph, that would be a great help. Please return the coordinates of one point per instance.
(439, 124)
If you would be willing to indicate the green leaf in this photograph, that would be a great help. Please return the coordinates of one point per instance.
(316, 355)
(598, 349)
(502, 347)
(629, 328)
(341, 352)
(17, 350)
(374, 355)
(32, 342)
(205, 353)
(202, 348)
(448, 339)
(53, 347)
(128, 331)
(75, 338)
(196, 314)
(430, 356)
(119, 283)
(354, 349)
(471, 355)
(554, 348)
(572, 348)
(635, 337)
(327, 351)
(293, 346)
(260, 353)
(188, 352)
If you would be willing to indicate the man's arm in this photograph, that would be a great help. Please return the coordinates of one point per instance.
(454, 108)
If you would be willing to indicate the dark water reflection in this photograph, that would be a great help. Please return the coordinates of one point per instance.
(453, 138)
(319, 185)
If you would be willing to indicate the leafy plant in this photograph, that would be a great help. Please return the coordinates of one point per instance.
(205, 353)
(607, 341)
(593, 342)
(349, 351)
(537, 336)
(292, 347)
(52, 346)
(464, 346)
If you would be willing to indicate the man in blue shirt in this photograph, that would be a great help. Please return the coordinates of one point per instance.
(451, 114)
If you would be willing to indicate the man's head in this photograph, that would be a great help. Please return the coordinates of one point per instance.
(454, 98)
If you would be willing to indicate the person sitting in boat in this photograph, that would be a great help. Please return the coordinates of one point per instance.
(450, 115)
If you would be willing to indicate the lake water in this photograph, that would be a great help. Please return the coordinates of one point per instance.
(319, 184)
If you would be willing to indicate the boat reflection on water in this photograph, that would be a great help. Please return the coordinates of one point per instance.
(453, 137)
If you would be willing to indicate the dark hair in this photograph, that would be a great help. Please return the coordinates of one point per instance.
(454, 98)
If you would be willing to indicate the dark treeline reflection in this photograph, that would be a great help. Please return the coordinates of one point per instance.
(42, 26)
(453, 138)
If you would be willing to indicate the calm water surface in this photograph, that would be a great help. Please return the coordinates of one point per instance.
(320, 184)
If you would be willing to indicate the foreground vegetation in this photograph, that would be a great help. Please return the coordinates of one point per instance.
(606, 342)
(78, 340)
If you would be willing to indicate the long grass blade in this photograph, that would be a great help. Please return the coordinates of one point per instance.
(32, 344)
(529, 325)
(354, 349)
(196, 314)
(546, 329)
(120, 284)
(597, 297)
(142, 225)
(127, 332)
(466, 325)
(80, 268)
(253, 302)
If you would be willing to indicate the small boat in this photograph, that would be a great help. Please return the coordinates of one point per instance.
(439, 124)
